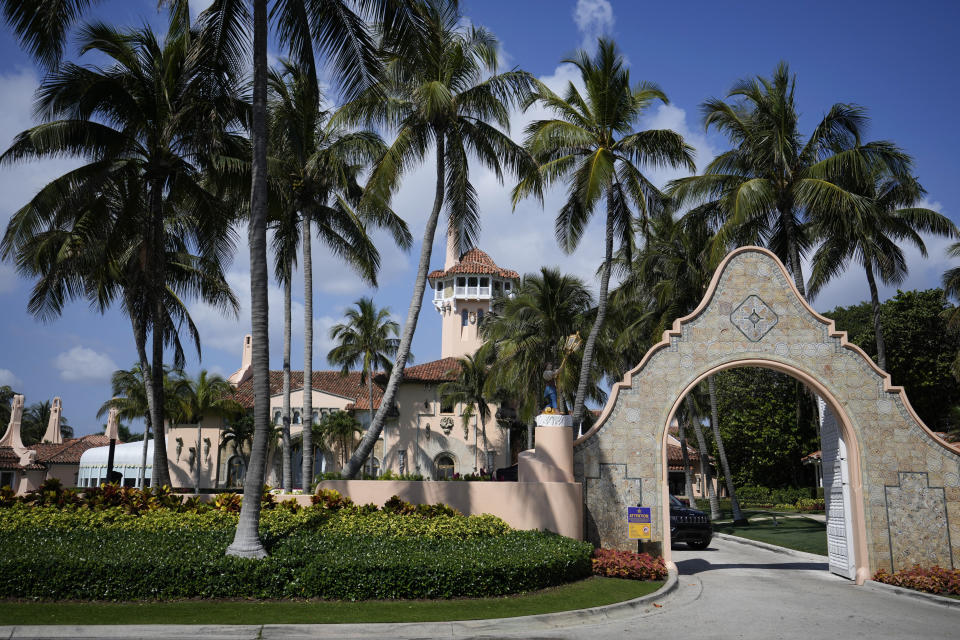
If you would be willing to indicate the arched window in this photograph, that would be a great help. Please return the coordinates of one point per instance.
(464, 318)
(316, 417)
(296, 417)
(444, 466)
(277, 417)
(236, 470)
(479, 317)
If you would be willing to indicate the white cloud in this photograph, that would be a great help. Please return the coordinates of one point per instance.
(81, 364)
(8, 378)
(594, 19)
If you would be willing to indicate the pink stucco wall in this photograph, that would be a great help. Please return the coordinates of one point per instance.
(555, 506)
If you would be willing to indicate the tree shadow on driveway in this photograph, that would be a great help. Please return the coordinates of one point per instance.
(693, 566)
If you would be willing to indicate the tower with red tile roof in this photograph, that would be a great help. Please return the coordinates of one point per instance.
(463, 293)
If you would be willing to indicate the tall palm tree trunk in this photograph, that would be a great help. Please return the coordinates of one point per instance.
(877, 327)
(140, 338)
(370, 398)
(403, 351)
(307, 419)
(246, 542)
(687, 469)
(704, 462)
(715, 425)
(161, 469)
(587, 363)
(287, 461)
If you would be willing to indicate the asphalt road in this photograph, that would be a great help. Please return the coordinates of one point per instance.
(733, 590)
(730, 590)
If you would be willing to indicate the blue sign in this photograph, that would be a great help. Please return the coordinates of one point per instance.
(638, 515)
(638, 523)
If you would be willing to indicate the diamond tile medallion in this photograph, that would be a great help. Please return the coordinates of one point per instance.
(754, 318)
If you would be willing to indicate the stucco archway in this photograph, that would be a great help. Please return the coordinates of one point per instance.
(908, 508)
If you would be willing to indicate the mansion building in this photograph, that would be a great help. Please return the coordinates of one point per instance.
(422, 434)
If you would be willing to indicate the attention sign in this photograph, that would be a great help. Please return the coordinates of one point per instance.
(638, 523)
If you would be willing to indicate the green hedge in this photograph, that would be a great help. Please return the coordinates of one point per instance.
(275, 522)
(118, 564)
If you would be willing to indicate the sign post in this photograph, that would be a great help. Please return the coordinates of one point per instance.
(638, 525)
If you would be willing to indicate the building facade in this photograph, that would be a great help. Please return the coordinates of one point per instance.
(422, 435)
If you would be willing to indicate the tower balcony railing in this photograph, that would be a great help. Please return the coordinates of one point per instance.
(473, 292)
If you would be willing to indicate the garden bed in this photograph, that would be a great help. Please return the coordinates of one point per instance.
(131, 545)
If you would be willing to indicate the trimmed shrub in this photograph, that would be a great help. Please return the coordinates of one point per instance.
(930, 579)
(627, 564)
(114, 564)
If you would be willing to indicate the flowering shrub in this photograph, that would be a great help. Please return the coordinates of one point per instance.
(930, 579)
(330, 499)
(627, 564)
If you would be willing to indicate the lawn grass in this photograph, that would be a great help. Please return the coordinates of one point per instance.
(801, 534)
(592, 592)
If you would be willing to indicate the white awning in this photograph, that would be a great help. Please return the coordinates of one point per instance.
(125, 455)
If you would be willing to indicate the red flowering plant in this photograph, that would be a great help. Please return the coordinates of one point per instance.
(930, 579)
(627, 564)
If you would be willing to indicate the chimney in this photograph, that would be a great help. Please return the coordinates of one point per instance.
(12, 437)
(113, 424)
(453, 254)
(246, 362)
(246, 359)
(53, 434)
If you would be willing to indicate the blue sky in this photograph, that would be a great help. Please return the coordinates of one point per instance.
(898, 59)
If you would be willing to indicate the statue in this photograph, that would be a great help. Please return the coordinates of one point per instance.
(550, 391)
(571, 344)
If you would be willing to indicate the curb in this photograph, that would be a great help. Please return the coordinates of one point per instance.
(772, 547)
(882, 587)
(513, 625)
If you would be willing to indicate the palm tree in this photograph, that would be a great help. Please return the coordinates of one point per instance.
(705, 473)
(205, 395)
(239, 432)
(338, 429)
(470, 389)
(592, 145)
(317, 164)
(130, 400)
(442, 93)
(530, 329)
(6, 397)
(670, 275)
(365, 340)
(773, 182)
(873, 234)
(34, 423)
(147, 125)
(332, 27)
(317, 439)
(951, 288)
(682, 419)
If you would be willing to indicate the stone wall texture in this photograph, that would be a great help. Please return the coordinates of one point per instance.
(752, 312)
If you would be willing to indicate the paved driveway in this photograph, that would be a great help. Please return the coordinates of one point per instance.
(734, 590)
(730, 590)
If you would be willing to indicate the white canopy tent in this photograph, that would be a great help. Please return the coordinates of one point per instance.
(126, 460)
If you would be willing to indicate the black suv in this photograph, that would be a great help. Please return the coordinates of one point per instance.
(689, 525)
